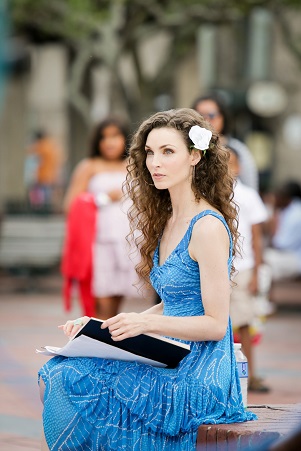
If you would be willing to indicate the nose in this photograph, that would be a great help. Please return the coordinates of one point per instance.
(156, 160)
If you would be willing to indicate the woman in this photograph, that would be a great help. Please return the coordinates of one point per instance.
(213, 110)
(181, 192)
(103, 174)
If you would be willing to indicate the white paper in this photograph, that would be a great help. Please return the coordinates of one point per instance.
(84, 346)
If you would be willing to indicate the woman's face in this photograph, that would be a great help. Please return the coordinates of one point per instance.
(211, 113)
(112, 143)
(167, 158)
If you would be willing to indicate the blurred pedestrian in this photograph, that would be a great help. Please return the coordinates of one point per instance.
(251, 214)
(42, 171)
(214, 110)
(102, 174)
(284, 254)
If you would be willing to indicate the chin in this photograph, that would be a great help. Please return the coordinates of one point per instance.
(161, 185)
(112, 157)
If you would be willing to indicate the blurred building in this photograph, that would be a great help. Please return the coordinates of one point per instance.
(253, 66)
(249, 63)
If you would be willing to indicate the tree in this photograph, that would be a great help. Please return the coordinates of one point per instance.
(105, 31)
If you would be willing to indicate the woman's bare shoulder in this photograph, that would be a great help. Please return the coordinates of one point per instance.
(210, 228)
(86, 167)
(209, 237)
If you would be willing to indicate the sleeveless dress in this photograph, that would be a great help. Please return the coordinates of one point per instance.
(101, 405)
(113, 270)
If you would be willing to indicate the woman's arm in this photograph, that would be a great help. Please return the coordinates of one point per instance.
(156, 310)
(257, 251)
(209, 246)
(78, 184)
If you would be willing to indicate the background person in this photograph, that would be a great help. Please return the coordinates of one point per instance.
(284, 254)
(186, 231)
(214, 110)
(43, 169)
(102, 175)
(251, 214)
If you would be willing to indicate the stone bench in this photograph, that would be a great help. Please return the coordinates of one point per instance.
(274, 422)
(286, 293)
(31, 241)
(30, 249)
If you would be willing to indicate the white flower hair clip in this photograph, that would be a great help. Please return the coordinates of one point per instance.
(200, 137)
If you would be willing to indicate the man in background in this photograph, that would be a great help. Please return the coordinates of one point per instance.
(43, 169)
(251, 214)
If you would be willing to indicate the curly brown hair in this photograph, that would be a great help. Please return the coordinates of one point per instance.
(151, 207)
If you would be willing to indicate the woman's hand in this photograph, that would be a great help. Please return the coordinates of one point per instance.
(126, 325)
(115, 195)
(72, 326)
(253, 284)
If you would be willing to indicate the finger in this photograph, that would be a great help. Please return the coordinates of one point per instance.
(114, 326)
(74, 330)
(68, 327)
(113, 322)
(117, 332)
(120, 337)
(104, 325)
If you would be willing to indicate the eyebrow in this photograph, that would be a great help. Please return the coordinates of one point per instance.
(161, 147)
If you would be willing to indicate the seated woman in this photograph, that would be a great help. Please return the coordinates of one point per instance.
(184, 224)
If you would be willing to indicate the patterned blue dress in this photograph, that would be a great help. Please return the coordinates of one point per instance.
(102, 405)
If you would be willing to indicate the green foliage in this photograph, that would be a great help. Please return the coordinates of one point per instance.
(104, 30)
(71, 20)
(75, 19)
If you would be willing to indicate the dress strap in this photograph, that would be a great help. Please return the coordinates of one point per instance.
(216, 215)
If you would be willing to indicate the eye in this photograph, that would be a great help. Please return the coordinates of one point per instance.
(168, 151)
(149, 152)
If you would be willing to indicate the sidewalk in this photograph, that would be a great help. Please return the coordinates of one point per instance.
(30, 320)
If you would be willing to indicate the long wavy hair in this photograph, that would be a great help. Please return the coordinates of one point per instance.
(151, 208)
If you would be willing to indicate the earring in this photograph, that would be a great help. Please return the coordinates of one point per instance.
(193, 174)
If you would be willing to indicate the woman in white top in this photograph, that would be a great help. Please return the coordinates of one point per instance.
(103, 174)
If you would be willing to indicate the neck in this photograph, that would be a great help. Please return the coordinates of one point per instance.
(183, 202)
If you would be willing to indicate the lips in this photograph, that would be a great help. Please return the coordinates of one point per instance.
(157, 175)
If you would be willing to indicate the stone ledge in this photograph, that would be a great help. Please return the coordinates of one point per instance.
(274, 422)
(286, 293)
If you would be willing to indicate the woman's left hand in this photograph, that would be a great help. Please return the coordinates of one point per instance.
(126, 325)
(71, 327)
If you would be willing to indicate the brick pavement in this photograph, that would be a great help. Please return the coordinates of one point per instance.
(29, 321)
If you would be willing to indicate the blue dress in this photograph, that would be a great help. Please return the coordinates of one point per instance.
(102, 405)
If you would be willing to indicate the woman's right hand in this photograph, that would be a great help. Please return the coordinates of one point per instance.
(71, 327)
(115, 195)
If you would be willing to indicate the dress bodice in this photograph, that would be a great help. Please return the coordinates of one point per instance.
(104, 182)
(177, 280)
(112, 222)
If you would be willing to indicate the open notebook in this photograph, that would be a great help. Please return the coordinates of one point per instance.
(92, 341)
